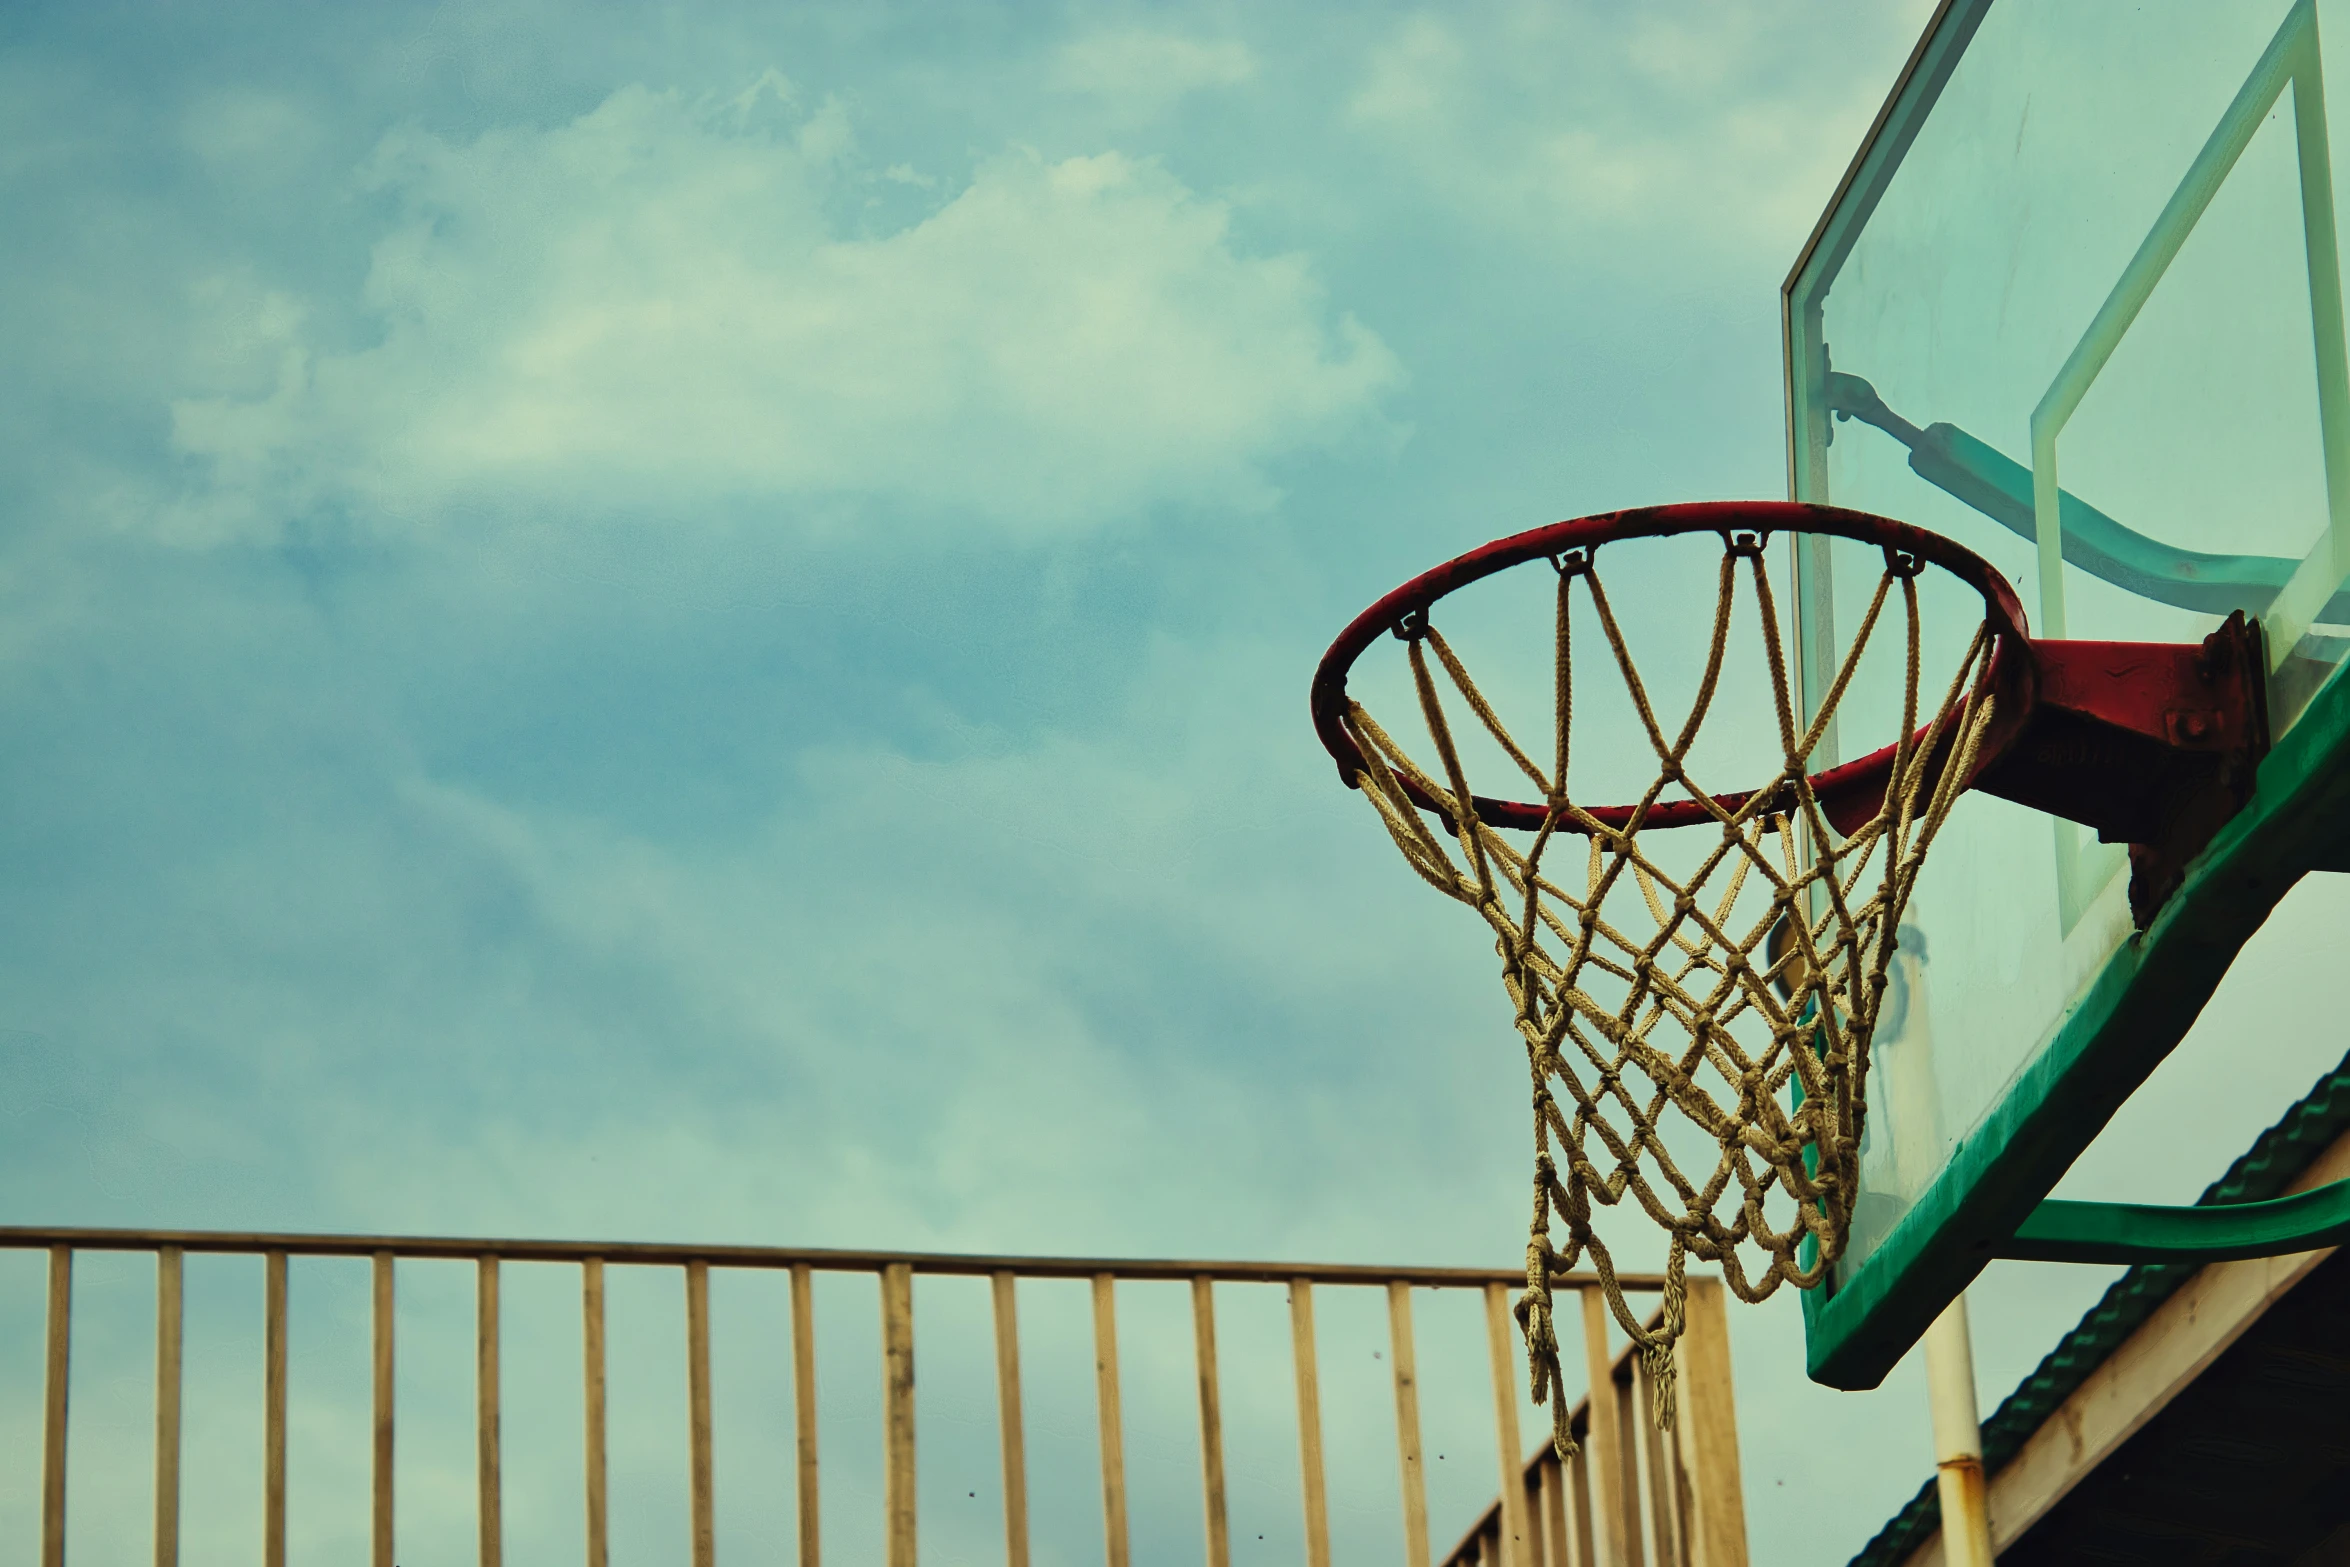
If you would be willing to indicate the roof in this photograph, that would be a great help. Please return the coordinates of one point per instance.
(2248, 1466)
(2280, 1154)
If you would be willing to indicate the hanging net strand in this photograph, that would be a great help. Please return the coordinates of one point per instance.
(1734, 992)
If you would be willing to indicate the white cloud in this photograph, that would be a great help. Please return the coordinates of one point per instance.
(1717, 128)
(654, 306)
(1147, 72)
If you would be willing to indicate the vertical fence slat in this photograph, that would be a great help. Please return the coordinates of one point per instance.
(697, 1401)
(1010, 1430)
(1656, 1471)
(1113, 1426)
(1627, 1421)
(60, 1351)
(1500, 1332)
(803, 1386)
(1554, 1515)
(1684, 1508)
(897, 1352)
(169, 1316)
(1603, 1443)
(1579, 1504)
(1407, 1425)
(591, 1339)
(1211, 1420)
(273, 1407)
(381, 1486)
(485, 1383)
(1309, 1421)
(1720, 1526)
(1534, 1482)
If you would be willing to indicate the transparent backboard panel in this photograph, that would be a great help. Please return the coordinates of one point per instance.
(2095, 297)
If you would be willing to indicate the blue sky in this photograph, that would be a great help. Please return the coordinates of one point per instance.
(694, 622)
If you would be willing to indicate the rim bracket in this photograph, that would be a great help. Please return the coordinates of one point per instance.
(2153, 744)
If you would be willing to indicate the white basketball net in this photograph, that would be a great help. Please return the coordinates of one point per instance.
(1642, 996)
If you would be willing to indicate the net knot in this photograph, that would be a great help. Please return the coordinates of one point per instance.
(1657, 1361)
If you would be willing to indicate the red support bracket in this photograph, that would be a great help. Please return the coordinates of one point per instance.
(2153, 744)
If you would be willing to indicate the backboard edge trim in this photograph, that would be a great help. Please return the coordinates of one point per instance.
(2139, 1006)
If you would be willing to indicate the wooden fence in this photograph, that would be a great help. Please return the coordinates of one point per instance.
(1633, 1494)
(1692, 1481)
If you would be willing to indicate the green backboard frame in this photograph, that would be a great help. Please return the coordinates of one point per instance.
(2146, 995)
(2136, 1010)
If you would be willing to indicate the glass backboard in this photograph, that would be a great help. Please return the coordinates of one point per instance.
(2078, 306)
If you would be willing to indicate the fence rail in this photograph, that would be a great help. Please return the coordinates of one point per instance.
(1693, 1484)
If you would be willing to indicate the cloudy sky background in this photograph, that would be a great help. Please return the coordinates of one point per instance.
(693, 624)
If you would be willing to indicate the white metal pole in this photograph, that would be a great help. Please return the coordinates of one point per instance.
(1958, 1440)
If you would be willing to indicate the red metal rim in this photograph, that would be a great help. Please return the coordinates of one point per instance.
(2009, 668)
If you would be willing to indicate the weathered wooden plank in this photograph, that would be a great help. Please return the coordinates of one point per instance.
(380, 1502)
(1624, 1410)
(1603, 1444)
(1684, 1507)
(702, 1481)
(55, 1380)
(467, 1248)
(1536, 1481)
(273, 1410)
(1656, 1471)
(170, 1319)
(1211, 1422)
(1011, 1431)
(1719, 1529)
(1414, 1476)
(1500, 1335)
(1113, 1426)
(1558, 1538)
(803, 1386)
(490, 1505)
(1579, 1505)
(591, 1338)
(897, 1383)
(1309, 1421)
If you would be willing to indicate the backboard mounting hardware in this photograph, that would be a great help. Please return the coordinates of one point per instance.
(2153, 744)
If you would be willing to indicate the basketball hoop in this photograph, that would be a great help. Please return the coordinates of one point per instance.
(1735, 991)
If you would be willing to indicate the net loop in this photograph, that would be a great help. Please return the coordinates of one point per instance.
(1709, 1069)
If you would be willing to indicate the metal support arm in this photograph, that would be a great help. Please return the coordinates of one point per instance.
(2128, 1232)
